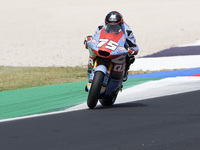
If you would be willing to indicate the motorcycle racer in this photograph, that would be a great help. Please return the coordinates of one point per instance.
(114, 23)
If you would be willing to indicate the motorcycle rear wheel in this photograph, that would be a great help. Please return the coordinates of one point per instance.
(109, 101)
(95, 89)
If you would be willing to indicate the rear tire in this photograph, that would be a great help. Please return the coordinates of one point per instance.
(109, 101)
(95, 89)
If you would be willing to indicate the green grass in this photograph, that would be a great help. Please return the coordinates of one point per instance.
(24, 77)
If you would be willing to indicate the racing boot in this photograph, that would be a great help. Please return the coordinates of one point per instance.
(126, 73)
(129, 61)
(125, 76)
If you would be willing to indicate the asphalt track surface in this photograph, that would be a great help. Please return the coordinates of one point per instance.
(177, 51)
(163, 123)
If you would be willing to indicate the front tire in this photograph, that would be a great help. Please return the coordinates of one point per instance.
(95, 89)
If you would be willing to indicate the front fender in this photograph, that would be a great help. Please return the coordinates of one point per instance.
(103, 69)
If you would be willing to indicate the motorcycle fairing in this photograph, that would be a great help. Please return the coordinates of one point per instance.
(97, 44)
(112, 45)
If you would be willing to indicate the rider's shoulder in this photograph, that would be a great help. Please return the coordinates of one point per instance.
(101, 26)
(127, 29)
(126, 26)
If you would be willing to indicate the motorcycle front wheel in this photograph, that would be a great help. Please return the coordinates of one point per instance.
(95, 89)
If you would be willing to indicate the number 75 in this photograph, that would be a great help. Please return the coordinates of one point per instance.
(110, 44)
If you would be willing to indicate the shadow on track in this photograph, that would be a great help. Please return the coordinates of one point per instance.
(122, 105)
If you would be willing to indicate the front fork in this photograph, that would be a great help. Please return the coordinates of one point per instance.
(103, 66)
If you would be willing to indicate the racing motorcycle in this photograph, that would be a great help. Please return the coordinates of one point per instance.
(105, 80)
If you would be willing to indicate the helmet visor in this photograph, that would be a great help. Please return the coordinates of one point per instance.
(113, 28)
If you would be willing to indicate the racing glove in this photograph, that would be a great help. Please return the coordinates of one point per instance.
(132, 51)
(89, 37)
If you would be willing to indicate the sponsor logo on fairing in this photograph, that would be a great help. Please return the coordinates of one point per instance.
(119, 68)
(94, 41)
(123, 38)
(90, 62)
(121, 48)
